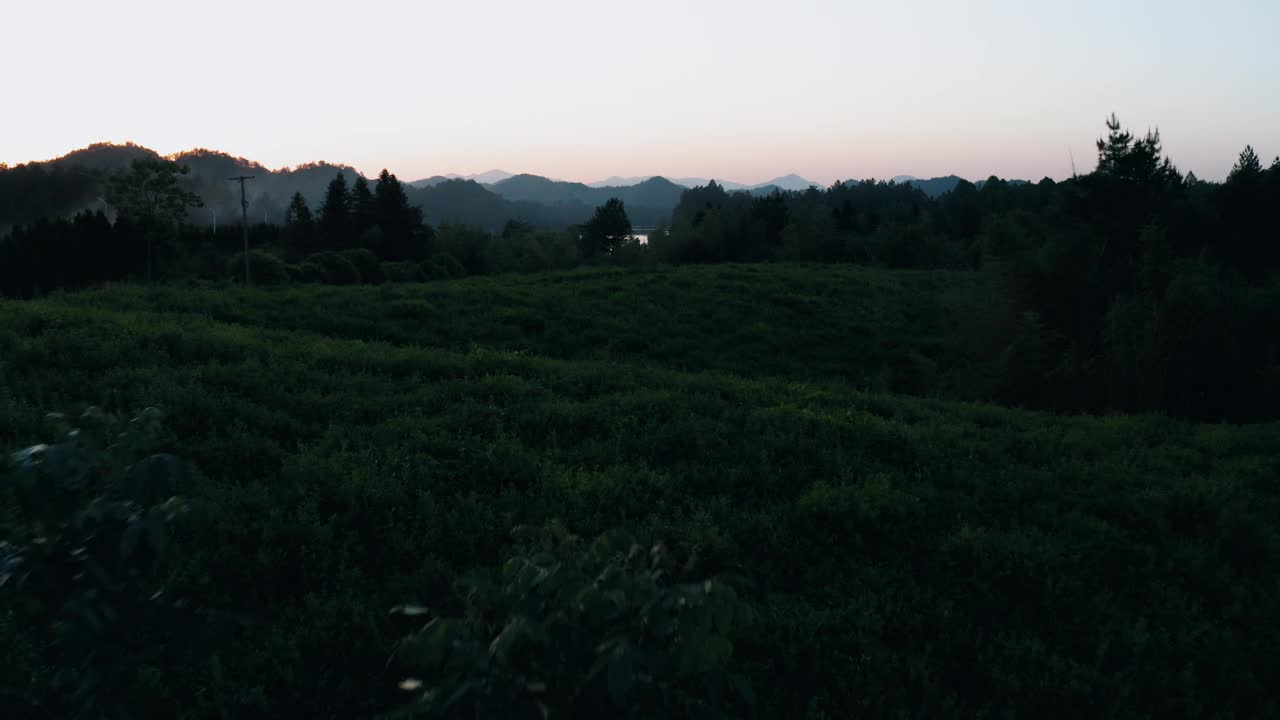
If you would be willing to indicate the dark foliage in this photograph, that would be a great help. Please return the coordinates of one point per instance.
(606, 230)
(574, 630)
(87, 569)
(368, 447)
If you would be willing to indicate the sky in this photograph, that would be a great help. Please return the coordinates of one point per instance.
(582, 90)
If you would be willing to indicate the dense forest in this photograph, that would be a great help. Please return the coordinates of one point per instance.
(889, 448)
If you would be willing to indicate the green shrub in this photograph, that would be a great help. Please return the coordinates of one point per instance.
(366, 264)
(312, 272)
(442, 266)
(403, 272)
(334, 269)
(264, 268)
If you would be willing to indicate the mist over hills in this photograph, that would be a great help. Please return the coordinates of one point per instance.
(487, 200)
(485, 178)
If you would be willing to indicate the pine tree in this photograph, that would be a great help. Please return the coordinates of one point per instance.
(1247, 167)
(1113, 149)
(299, 225)
(335, 214)
(1123, 157)
(398, 220)
(297, 213)
(362, 209)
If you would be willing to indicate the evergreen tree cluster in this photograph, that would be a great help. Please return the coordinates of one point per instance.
(379, 219)
(50, 254)
(1130, 288)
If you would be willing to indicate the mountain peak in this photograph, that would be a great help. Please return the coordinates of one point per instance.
(487, 177)
(788, 182)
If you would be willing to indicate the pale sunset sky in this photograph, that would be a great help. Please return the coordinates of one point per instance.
(581, 90)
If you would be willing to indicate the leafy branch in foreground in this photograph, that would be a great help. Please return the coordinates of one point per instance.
(573, 630)
(84, 572)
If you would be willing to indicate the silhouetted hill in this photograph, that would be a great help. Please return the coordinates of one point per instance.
(75, 181)
(648, 203)
(488, 177)
(616, 181)
(687, 182)
(467, 202)
(462, 202)
(105, 156)
(489, 200)
(431, 181)
(268, 192)
(787, 182)
(654, 192)
(535, 188)
(692, 182)
(64, 185)
(934, 187)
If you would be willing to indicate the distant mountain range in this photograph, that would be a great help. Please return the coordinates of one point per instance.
(485, 178)
(496, 177)
(785, 182)
(487, 200)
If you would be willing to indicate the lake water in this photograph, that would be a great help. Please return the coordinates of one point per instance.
(641, 234)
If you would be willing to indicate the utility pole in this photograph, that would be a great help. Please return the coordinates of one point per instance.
(244, 219)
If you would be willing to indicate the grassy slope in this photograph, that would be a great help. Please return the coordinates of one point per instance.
(911, 556)
(880, 330)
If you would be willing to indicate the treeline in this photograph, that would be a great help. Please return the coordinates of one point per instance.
(1132, 288)
(34, 191)
(361, 233)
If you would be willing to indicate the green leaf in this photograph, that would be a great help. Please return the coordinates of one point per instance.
(511, 637)
(410, 610)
